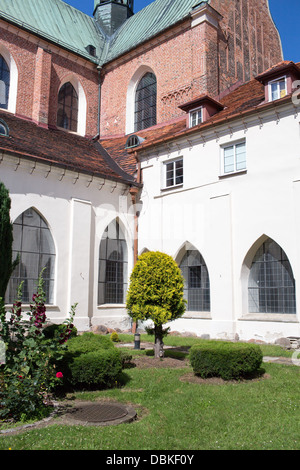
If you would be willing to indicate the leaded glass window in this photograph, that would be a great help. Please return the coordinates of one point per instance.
(4, 83)
(67, 113)
(271, 281)
(196, 281)
(34, 244)
(145, 102)
(112, 281)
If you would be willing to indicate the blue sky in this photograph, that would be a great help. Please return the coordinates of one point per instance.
(284, 13)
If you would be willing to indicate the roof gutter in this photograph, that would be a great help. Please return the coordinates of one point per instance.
(211, 123)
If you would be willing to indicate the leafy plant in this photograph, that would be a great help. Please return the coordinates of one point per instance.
(156, 293)
(29, 371)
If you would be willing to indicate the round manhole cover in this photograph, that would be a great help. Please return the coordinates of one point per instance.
(102, 413)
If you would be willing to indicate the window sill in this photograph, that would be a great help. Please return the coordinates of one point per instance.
(234, 173)
(27, 306)
(197, 315)
(172, 188)
(270, 317)
(105, 306)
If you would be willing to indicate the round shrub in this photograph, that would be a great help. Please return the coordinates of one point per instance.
(89, 342)
(99, 368)
(115, 337)
(225, 360)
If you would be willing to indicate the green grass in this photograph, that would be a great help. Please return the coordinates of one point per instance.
(180, 341)
(176, 415)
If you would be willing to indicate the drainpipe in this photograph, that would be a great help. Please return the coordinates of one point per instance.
(134, 191)
(97, 136)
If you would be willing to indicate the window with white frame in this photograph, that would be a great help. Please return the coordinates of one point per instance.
(173, 173)
(195, 117)
(234, 158)
(277, 89)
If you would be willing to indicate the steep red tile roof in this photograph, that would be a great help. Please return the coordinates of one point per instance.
(53, 146)
(281, 66)
(115, 146)
(245, 99)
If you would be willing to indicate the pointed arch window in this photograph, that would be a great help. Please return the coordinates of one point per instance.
(4, 83)
(67, 112)
(196, 285)
(145, 102)
(113, 260)
(271, 286)
(34, 244)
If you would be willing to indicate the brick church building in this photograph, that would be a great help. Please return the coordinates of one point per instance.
(101, 117)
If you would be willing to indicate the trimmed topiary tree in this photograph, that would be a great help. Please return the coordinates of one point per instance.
(156, 293)
(6, 240)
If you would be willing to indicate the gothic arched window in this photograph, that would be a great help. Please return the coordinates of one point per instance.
(112, 281)
(145, 102)
(271, 287)
(4, 83)
(34, 244)
(196, 285)
(67, 111)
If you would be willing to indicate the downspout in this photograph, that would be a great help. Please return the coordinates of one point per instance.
(134, 191)
(97, 136)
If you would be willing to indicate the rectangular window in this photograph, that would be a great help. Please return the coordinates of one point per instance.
(173, 173)
(195, 117)
(234, 158)
(277, 89)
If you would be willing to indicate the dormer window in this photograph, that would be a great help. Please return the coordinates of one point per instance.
(133, 141)
(277, 89)
(196, 117)
(4, 130)
(278, 80)
(200, 110)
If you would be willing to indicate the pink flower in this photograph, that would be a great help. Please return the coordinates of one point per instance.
(59, 375)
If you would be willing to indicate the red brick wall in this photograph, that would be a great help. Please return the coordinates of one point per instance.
(179, 78)
(40, 75)
(249, 40)
(23, 53)
(63, 68)
(195, 61)
(186, 61)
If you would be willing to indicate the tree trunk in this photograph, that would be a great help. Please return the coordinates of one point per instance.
(159, 345)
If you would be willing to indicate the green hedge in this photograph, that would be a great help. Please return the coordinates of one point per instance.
(89, 342)
(91, 361)
(226, 360)
(96, 369)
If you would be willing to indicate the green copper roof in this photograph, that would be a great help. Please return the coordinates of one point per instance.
(62, 24)
(57, 22)
(147, 23)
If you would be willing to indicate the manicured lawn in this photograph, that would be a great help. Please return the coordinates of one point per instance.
(177, 415)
